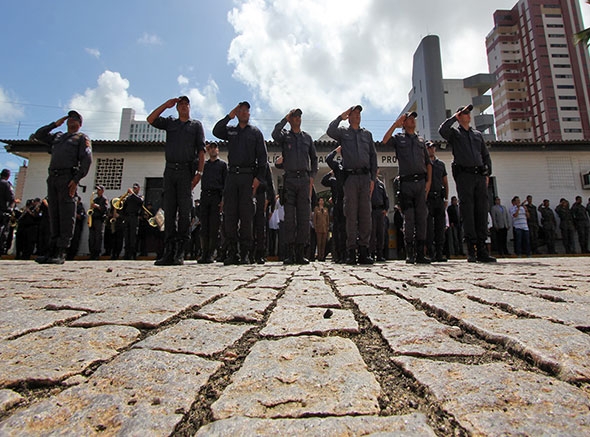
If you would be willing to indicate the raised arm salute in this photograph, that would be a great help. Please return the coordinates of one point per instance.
(471, 169)
(185, 158)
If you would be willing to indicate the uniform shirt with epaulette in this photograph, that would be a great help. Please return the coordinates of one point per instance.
(411, 153)
(68, 150)
(439, 171)
(298, 149)
(214, 175)
(184, 139)
(469, 147)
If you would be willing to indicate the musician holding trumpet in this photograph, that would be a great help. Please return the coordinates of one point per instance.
(131, 208)
(97, 214)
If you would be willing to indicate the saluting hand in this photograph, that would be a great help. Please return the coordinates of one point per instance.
(61, 120)
(171, 103)
(233, 112)
(345, 114)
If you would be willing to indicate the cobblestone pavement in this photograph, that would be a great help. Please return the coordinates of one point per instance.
(128, 348)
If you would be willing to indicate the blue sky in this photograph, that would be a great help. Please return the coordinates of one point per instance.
(320, 55)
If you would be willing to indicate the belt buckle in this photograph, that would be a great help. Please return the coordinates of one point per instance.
(237, 169)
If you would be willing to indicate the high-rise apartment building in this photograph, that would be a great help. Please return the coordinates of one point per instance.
(435, 98)
(543, 83)
(138, 130)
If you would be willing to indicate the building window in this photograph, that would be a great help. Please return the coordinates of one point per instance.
(567, 97)
(560, 173)
(109, 173)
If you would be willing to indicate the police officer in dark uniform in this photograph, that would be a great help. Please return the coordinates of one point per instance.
(212, 184)
(300, 162)
(132, 208)
(185, 158)
(71, 156)
(247, 158)
(415, 175)
(7, 201)
(581, 223)
(335, 180)
(437, 199)
(471, 169)
(533, 223)
(379, 206)
(359, 161)
(549, 224)
(99, 209)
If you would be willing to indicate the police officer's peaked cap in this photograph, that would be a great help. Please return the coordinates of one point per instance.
(297, 112)
(357, 107)
(244, 103)
(75, 115)
(411, 114)
(184, 99)
(465, 109)
(99, 187)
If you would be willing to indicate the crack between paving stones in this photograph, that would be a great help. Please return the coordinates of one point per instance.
(400, 392)
(200, 413)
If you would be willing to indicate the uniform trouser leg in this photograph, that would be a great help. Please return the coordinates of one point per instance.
(297, 210)
(357, 210)
(473, 203)
(436, 216)
(377, 230)
(415, 211)
(260, 224)
(131, 224)
(322, 239)
(177, 204)
(238, 208)
(95, 237)
(210, 220)
(62, 211)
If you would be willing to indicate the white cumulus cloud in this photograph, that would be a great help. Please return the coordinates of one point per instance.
(149, 39)
(205, 105)
(326, 55)
(182, 80)
(93, 52)
(10, 110)
(101, 106)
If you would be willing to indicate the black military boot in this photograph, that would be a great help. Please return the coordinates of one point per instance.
(299, 257)
(351, 257)
(439, 257)
(51, 253)
(290, 256)
(59, 258)
(167, 258)
(410, 254)
(364, 257)
(179, 253)
(259, 257)
(232, 255)
(421, 258)
(482, 254)
(205, 257)
(471, 253)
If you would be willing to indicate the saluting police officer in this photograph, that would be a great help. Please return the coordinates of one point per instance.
(335, 180)
(359, 161)
(212, 184)
(415, 172)
(300, 162)
(71, 156)
(471, 169)
(437, 199)
(379, 206)
(7, 202)
(185, 158)
(247, 157)
(99, 209)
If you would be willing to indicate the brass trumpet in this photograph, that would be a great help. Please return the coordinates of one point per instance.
(118, 202)
(157, 221)
(91, 209)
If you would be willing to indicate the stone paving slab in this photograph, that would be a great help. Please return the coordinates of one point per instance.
(55, 354)
(141, 392)
(16, 321)
(146, 310)
(244, 305)
(311, 293)
(573, 314)
(200, 337)
(296, 319)
(9, 399)
(412, 332)
(408, 425)
(493, 399)
(563, 349)
(299, 376)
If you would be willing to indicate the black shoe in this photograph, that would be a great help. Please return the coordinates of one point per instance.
(231, 259)
(364, 257)
(410, 255)
(260, 260)
(205, 259)
(165, 261)
(483, 256)
(381, 259)
(351, 258)
(60, 258)
(471, 258)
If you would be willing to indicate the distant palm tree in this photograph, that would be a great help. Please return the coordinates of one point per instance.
(583, 37)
